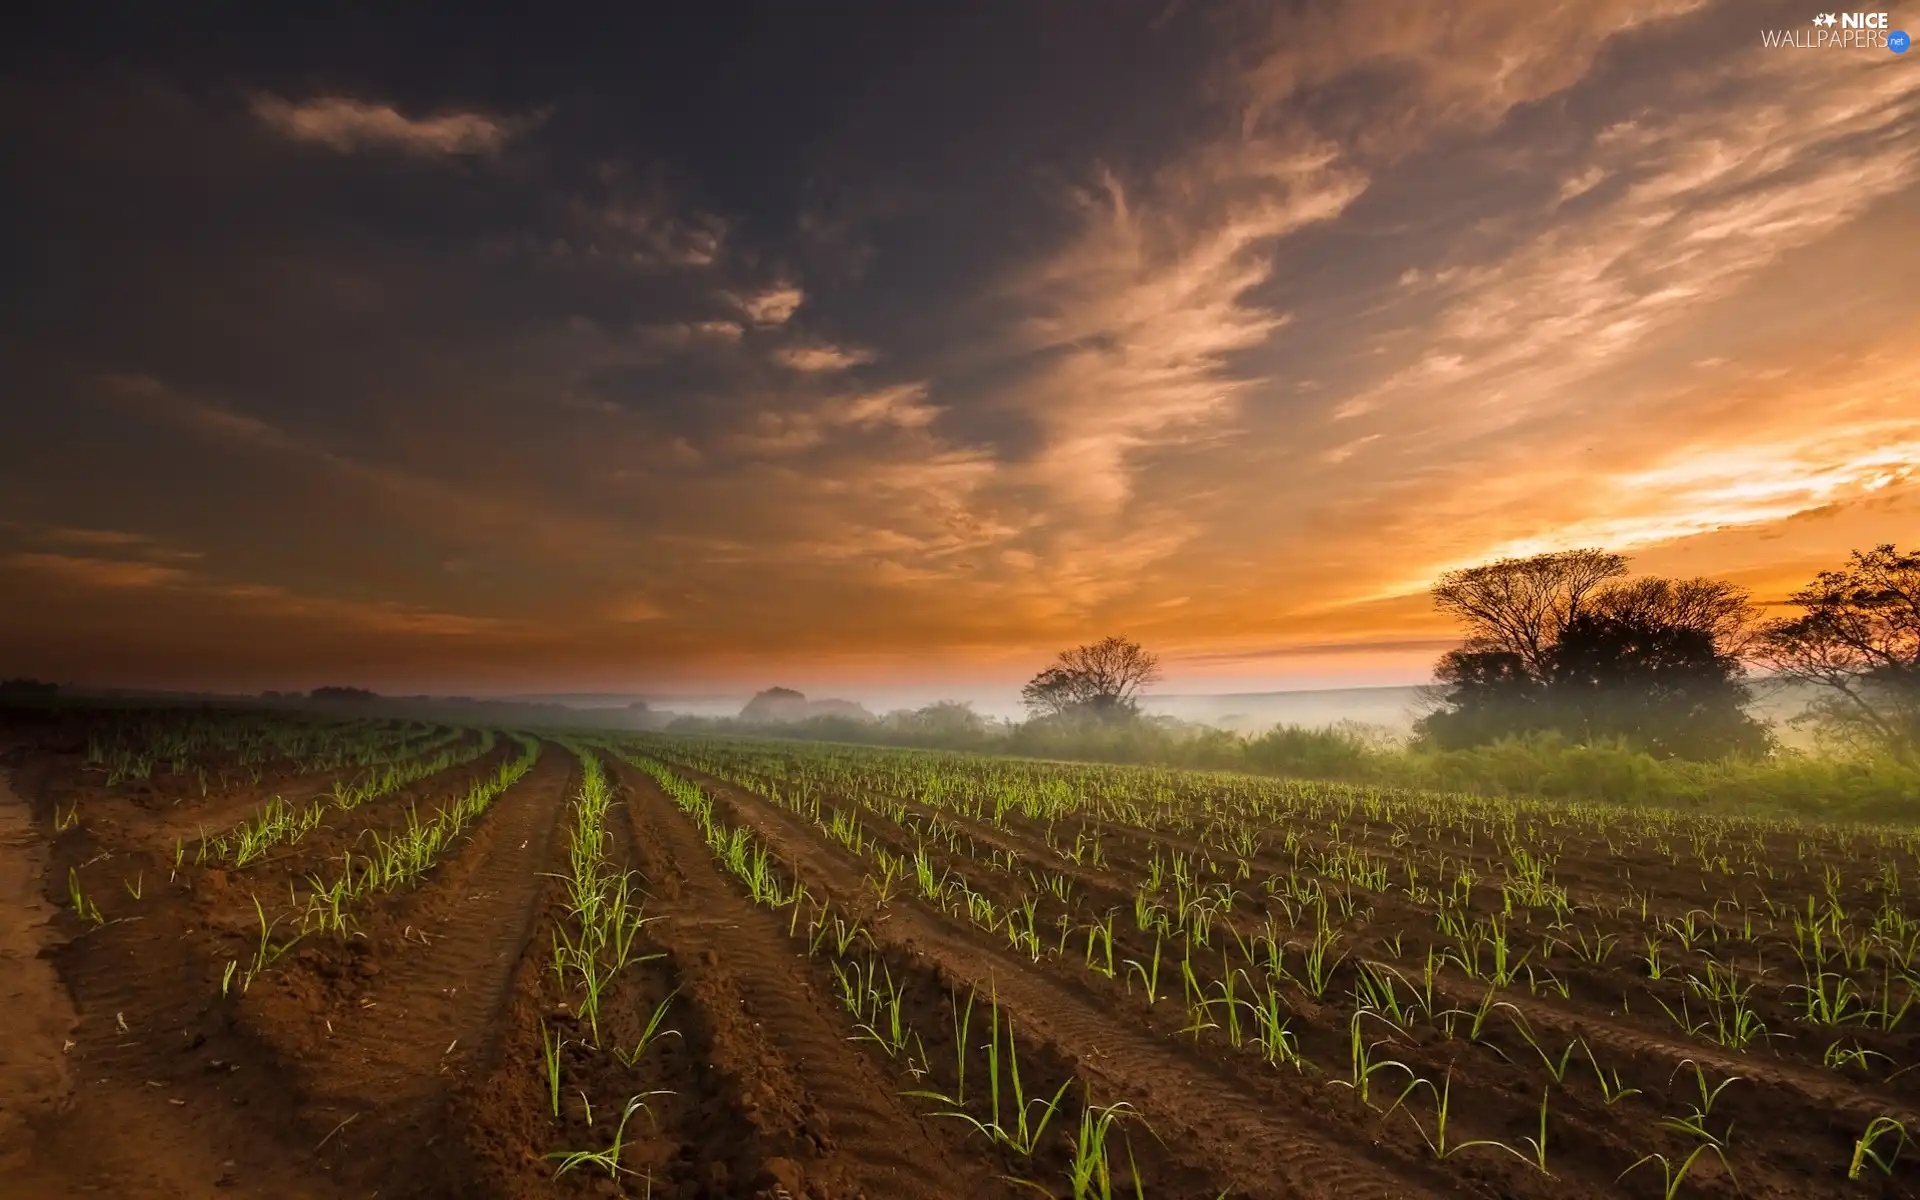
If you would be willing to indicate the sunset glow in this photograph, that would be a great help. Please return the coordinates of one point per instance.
(894, 354)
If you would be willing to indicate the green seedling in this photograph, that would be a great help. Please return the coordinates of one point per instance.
(1090, 1174)
(1611, 1089)
(1149, 975)
(550, 1047)
(1865, 1147)
(83, 908)
(1672, 1176)
(651, 1033)
(1694, 1124)
(608, 1159)
(265, 953)
(1437, 1143)
(1019, 1125)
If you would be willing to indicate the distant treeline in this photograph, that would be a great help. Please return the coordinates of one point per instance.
(27, 690)
(1573, 681)
(338, 701)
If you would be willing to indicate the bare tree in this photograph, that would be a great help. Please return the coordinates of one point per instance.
(1518, 606)
(1104, 679)
(1858, 638)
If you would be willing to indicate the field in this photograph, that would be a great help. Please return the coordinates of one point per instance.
(303, 958)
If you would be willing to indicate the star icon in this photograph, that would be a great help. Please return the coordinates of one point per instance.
(1827, 19)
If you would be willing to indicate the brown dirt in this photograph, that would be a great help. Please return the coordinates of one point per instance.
(408, 1060)
(34, 1081)
(1810, 1114)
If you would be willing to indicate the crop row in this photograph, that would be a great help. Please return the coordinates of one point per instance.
(399, 857)
(222, 746)
(978, 1084)
(280, 823)
(1255, 958)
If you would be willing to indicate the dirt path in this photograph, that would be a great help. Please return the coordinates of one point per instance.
(164, 1100)
(34, 1081)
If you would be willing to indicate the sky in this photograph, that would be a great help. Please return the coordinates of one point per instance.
(890, 348)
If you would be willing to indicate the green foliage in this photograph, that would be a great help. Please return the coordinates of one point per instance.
(1545, 765)
(1551, 645)
(1858, 640)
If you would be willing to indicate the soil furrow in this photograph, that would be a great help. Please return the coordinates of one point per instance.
(343, 828)
(156, 1053)
(816, 1097)
(1646, 1058)
(217, 813)
(424, 1019)
(1259, 1151)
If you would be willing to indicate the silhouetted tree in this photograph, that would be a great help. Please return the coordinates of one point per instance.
(350, 694)
(1517, 605)
(1651, 678)
(1858, 639)
(775, 704)
(1102, 681)
(1713, 606)
(1553, 644)
(1483, 695)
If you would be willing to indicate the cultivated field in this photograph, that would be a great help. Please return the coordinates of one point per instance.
(357, 958)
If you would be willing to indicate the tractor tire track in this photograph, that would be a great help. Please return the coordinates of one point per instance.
(170, 1097)
(1210, 1115)
(815, 1097)
(427, 1025)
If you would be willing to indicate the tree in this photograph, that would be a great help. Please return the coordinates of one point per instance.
(1657, 679)
(1858, 640)
(1554, 643)
(1102, 681)
(1716, 608)
(1518, 605)
(943, 721)
(352, 695)
(1482, 695)
(774, 705)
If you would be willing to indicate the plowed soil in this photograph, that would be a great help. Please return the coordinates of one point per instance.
(434, 1052)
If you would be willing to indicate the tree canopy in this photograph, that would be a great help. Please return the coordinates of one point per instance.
(1101, 681)
(1559, 642)
(1517, 606)
(1858, 640)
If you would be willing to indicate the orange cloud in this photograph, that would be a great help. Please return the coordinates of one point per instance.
(98, 572)
(774, 305)
(1415, 289)
(821, 358)
(344, 123)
